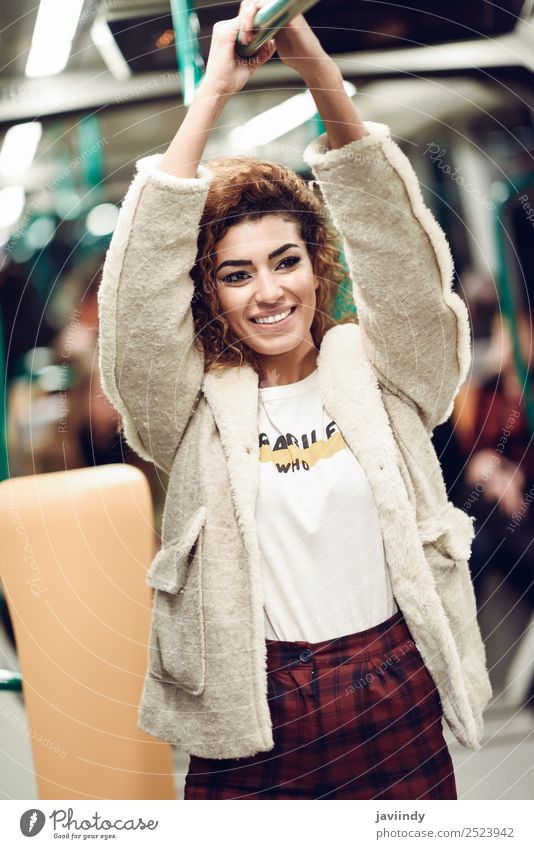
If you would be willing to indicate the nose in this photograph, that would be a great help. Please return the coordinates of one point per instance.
(268, 287)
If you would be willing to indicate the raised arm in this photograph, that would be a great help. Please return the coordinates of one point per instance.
(151, 370)
(414, 327)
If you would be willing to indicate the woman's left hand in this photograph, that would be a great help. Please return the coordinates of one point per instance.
(296, 43)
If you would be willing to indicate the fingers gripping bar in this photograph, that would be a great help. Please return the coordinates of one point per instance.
(268, 20)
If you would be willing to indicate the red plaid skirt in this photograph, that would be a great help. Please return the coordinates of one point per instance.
(355, 717)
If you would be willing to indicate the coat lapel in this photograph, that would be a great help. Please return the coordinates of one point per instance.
(232, 395)
(351, 394)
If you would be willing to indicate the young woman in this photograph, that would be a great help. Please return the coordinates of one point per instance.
(313, 616)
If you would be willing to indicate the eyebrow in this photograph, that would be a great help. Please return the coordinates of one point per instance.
(249, 261)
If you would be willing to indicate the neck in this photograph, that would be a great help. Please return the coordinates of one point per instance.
(289, 367)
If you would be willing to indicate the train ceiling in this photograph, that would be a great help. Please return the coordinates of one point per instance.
(411, 67)
(344, 26)
(369, 38)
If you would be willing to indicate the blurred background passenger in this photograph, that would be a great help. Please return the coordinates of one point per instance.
(498, 480)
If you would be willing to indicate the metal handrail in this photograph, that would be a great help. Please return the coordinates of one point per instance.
(268, 20)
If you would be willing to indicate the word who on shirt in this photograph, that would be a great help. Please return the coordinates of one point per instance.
(290, 454)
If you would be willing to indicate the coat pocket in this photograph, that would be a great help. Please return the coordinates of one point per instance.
(447, 546)
(177, 639)
(447, 538)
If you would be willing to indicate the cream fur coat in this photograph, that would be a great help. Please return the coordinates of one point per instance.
(386, 382)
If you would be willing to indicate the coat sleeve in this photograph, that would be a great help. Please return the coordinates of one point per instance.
(149, 367)
(415, 329)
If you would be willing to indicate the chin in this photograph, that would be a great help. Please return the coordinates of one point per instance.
(274, 346)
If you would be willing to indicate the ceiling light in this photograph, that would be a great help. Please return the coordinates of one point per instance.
(19, 147)
(11, 205)
(52, 36)
(278, 120)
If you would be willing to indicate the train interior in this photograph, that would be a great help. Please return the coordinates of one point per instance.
(454, 82)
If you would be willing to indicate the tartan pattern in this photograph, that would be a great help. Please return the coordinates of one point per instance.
(355, 717)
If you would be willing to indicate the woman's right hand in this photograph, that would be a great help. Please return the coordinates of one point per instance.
(226, 72)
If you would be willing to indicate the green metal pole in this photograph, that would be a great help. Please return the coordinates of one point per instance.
(90, 143)
(344, 303)
(190, 61)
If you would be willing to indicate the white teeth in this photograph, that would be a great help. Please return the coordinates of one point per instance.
(272, 319)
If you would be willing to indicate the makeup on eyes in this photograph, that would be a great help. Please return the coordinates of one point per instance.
(274, 253)
(293, 260)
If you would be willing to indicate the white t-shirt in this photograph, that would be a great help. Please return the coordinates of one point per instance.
(323, 563)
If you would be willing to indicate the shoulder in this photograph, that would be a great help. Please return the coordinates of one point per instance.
(342, 343)
(348, 333)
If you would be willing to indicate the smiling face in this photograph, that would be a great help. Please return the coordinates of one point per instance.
(264, 272)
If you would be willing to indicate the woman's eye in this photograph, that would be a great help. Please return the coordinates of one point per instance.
(242, 276)
(292, 260)
(232, 278)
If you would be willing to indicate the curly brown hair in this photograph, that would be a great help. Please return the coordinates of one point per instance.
(245, 188)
